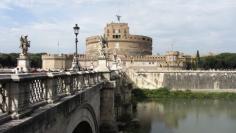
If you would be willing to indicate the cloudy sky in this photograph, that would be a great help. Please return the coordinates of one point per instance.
(188, 25)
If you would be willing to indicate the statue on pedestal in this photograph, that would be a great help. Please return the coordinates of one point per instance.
(115, 55)
(102, 46)
(102, 55)
(23, 63)
(24, 45)
(116, 64)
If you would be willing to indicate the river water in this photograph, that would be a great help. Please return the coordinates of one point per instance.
(186, 116)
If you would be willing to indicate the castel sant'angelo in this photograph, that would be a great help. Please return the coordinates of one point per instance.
(121, 41)
(131, 51)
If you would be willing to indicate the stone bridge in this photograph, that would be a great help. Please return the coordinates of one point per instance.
(65, 102)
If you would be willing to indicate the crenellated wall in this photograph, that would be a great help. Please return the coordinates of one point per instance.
(169, 61)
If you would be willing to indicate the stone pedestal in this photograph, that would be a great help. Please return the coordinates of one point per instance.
(114, 66)
(23, 63)
(102, 65)
(74, 65)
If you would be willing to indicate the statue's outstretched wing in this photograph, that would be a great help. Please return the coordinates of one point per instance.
(21, 41)
(103, 40)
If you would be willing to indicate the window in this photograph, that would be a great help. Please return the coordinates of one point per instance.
(116, 36)
(116, 31)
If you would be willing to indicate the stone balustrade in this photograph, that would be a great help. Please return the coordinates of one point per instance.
(20, 94)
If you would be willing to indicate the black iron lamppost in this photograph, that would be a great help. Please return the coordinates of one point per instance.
(75, 61)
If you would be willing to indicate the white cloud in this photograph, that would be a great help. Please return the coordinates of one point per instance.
(191, 24)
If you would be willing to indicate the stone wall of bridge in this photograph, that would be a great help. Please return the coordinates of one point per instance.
(63, 102)
(63, 116)
(50, 102)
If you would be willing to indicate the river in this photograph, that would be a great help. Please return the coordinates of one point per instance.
(186, 116)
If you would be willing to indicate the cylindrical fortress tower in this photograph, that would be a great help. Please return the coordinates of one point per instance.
(121, 41)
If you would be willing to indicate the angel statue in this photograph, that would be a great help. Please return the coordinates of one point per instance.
(115, 55)
(102, 46)
(24, 45)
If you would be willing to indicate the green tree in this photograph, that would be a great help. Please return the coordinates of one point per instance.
(36, 60)
(221, 61)
(197, 59)
(10, 60)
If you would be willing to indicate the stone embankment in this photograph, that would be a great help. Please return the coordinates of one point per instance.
(183, 80)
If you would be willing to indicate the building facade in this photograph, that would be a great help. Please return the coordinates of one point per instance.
(121, 41)
(132, 52)
(172, 60)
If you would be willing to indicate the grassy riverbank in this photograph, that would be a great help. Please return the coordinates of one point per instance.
(140, 94)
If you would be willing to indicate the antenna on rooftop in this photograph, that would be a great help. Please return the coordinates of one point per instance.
(172, 46)
(58, 47)
(118, 18)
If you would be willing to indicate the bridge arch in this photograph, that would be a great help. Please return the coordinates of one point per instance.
(83, 120)
(83, 127)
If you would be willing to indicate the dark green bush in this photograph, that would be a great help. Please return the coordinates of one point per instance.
(139, 94)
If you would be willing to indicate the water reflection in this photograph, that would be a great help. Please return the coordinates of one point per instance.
(186, 116)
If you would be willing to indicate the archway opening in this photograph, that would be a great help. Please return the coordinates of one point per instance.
(83, 127)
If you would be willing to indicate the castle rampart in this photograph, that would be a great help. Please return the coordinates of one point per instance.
(217, 81)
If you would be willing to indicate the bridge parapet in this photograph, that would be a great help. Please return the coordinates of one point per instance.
(21, 94)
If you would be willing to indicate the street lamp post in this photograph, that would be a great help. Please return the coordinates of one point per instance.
(75, 63)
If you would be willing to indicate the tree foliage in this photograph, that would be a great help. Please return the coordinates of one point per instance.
(198, 60)
(220, 61)
(10, 60)
(36, 61)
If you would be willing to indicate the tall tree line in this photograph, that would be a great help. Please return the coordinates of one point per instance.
(223, 61)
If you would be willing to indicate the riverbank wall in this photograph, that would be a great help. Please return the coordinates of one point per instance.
(215, 81)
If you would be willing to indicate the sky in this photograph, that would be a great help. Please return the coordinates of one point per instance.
(183, 25)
